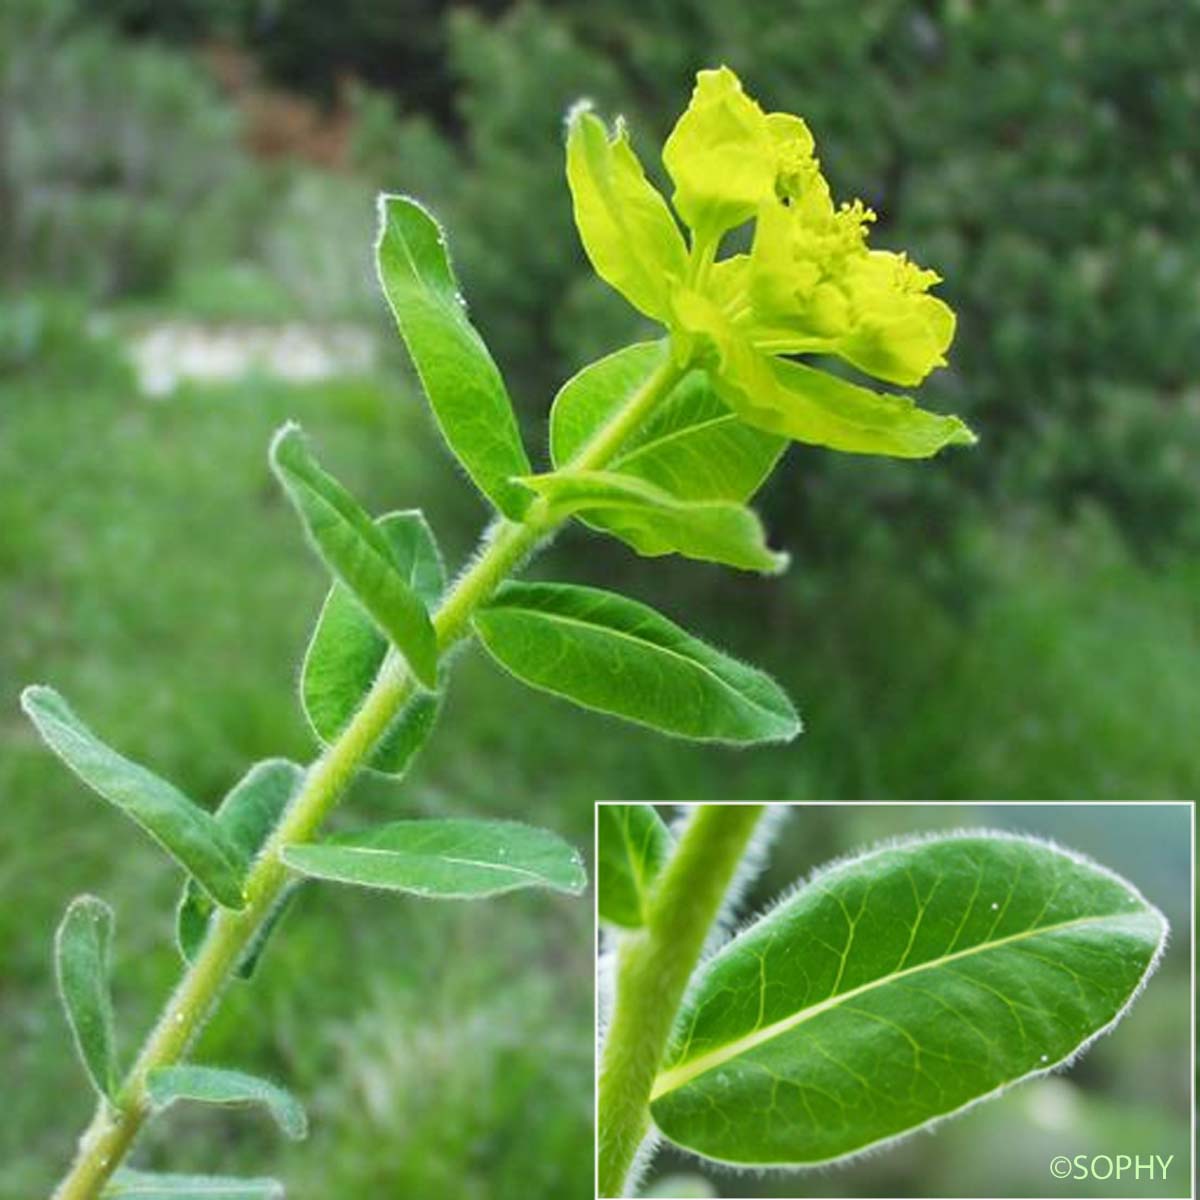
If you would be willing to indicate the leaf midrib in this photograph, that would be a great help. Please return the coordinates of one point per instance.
(427, 859)
(657, 442)
(417, 275)
(635, 492)
(676, 1077)
(671, 652)
(198, 1188)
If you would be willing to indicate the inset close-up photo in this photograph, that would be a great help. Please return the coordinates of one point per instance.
(888, 1000)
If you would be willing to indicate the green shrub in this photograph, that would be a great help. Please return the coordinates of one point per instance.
(104, 145)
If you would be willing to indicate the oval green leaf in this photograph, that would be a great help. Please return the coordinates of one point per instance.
(150, 1185)
(444, 859)
(215, 1085)
(463, 384)
(185, 830)
(357, 552)
(898, 988)
(347, 650)
(633, 843)
(81, 948)
(692, 446)
(612, 654)
(248, 813)
(654, 522)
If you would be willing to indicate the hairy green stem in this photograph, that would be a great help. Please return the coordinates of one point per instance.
(653, 968)
(505, 547)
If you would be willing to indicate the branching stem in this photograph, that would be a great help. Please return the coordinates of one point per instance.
(505, 547)
(653, 968)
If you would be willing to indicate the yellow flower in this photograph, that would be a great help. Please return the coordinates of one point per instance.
(810, 284)
(724, 155)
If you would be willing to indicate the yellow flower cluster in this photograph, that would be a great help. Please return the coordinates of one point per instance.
(810, 283)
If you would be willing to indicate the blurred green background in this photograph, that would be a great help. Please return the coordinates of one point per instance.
(1129, 1094)
(186, 216)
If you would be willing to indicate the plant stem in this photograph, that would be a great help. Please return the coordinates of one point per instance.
(653, 968)
(504, 548)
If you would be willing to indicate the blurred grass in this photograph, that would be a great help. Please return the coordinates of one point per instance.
(152, 571)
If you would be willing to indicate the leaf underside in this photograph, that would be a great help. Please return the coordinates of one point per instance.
(215, 1085)
(347, 650)
(898, 988)
(185, 830)
(444, 859)
(357, 553)
(150, 1185)
(81, 949)
(633, 844)
(615, 655)
(654, 522)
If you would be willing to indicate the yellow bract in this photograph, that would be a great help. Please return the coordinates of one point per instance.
(725, 154)
(626, 226)
(810, 284)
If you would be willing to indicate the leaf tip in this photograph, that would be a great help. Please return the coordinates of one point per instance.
(86, 900)
(581, 108)
(790, 724)
(36, 696)
(780, 561)
(288, 434)
(388, 202)
(578, 882)
(963, 434)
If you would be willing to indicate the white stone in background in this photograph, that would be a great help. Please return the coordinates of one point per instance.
(168, 352)
(1053, 1103)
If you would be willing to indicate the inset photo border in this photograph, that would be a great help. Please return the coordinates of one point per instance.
(805, 1000)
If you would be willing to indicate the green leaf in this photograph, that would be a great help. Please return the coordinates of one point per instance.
(357, 552)
(633, 843)
(248, 814)
(81, 949)
(692, 446)
(462, 382)
(215, 1085)
(897, 988)
(444, 859)
(612, 654)
(150, 1185)
(183, 829)
(624, 223)
(654, 522)
(347, 650)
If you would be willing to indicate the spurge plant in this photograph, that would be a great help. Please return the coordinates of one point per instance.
(660, 444)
